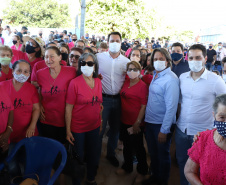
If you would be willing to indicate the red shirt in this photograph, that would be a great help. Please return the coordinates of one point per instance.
(131, 100)
(14, 47)
(71, 45)
(5, 107)
(86, 110)
(22, 101)
(40, 65)
(147, 79)
(5, 77)
(53, 93)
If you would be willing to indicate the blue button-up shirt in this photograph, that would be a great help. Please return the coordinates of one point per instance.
(181, 67)
(163, 100)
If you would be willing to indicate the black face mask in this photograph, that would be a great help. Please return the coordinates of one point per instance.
(30, 49)
(40, 34)
(14, 42)
(152, 41)
(25, 32)
(64, 56)
(74, 40)
(61, 36)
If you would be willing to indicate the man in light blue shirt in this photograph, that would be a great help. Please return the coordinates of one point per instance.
(160, 115)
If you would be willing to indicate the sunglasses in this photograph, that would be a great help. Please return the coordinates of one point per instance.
(89, 63)
(133, 69)
(76, 56)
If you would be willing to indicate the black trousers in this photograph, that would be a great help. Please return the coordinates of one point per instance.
(133, 144)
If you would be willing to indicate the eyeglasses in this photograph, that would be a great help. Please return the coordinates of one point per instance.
(31, 44)
(133, 69)
(89, 63)
(76, 56)
(133, 55)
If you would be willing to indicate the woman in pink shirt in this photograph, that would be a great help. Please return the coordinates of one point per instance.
(16, 43)
(74, 56)
(5, 59)
(206, 163)
(34, 50)
(83, 114)
(53, 82)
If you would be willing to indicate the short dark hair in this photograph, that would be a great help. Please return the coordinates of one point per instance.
(88, 48)
(83, 57)
(47, 45)
(20, 61)
(24, 28)
(81, 41)
(198, 47)
(65, 32)
(93, 42)
(64, 45)
(56, 49)
(178, 44)
(134, 49)
(103, 45)
(115, 33)
(77, 49)
(163, 52)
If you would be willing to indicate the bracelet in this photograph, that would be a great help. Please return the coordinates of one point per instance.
(10, 128)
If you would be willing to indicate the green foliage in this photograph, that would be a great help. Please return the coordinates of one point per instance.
(129, 17)
(37, 13)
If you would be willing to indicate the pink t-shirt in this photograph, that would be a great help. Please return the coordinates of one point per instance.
(5, 107)
(22, 101)
(131, 100)
(53, 93)
(211, 159)
(71, 45)
(40, 65)
(5, 77)
(86, 101)
(14, 47)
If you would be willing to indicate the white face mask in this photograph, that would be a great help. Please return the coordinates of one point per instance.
(159, 65)
(195, 66)
(114, 47)
(86, 70)
(224, 77)
(136, 59)
(132, 74)
(219, 47)
(21, 77)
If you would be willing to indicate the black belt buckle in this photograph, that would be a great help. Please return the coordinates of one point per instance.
(110, 96)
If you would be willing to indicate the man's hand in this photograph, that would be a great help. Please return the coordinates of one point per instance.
(162, 137)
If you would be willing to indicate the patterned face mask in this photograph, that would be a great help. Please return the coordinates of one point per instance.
(221, 128)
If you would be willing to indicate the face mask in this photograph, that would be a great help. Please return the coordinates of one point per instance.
(219, 47)
(221, 128)
(15, 33)
(0, 35)
(132, 74)
(30, 49)
(86, 70)
(224, 77)
(210, 47)
(21, 77)
(157, 43)
(25, 32)
(86, 37)
(176, 56)
(74, 40)
(61, 36)
(114, 47)
(66, 40)
(14, 42)
(40, 34)
(5, 61)
(64, 56)
(136, 59)
(195, 66)
(159, 65)
(152, 41)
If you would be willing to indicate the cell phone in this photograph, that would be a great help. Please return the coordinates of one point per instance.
(130, 130)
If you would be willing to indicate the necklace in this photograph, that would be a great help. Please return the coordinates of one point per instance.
(90, 90)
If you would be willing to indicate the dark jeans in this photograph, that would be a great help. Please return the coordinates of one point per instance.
(57, 133)
(88, 142)
(209, 66)
(110, 115)
(159, 152)
(183, 143)
(133, 144)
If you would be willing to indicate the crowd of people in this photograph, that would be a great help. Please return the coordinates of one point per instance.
(70, 90)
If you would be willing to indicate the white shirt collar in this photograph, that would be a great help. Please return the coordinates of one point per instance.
(204, 75)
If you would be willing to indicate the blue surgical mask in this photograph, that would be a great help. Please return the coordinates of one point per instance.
(210, 47)
(221, 128)
(176, 56)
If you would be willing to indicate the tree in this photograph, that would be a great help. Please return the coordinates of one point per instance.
(37, 13)
(129, 17)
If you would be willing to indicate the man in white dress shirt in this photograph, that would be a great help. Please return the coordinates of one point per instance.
(199, 88)
(112, 67)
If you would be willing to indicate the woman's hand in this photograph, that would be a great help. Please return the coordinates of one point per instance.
(30, 131)
(162, 137)
(4, 137)
(42, 114)
(136, 128)
(70, 138)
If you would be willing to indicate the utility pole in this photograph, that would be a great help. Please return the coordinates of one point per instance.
(83, 11)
